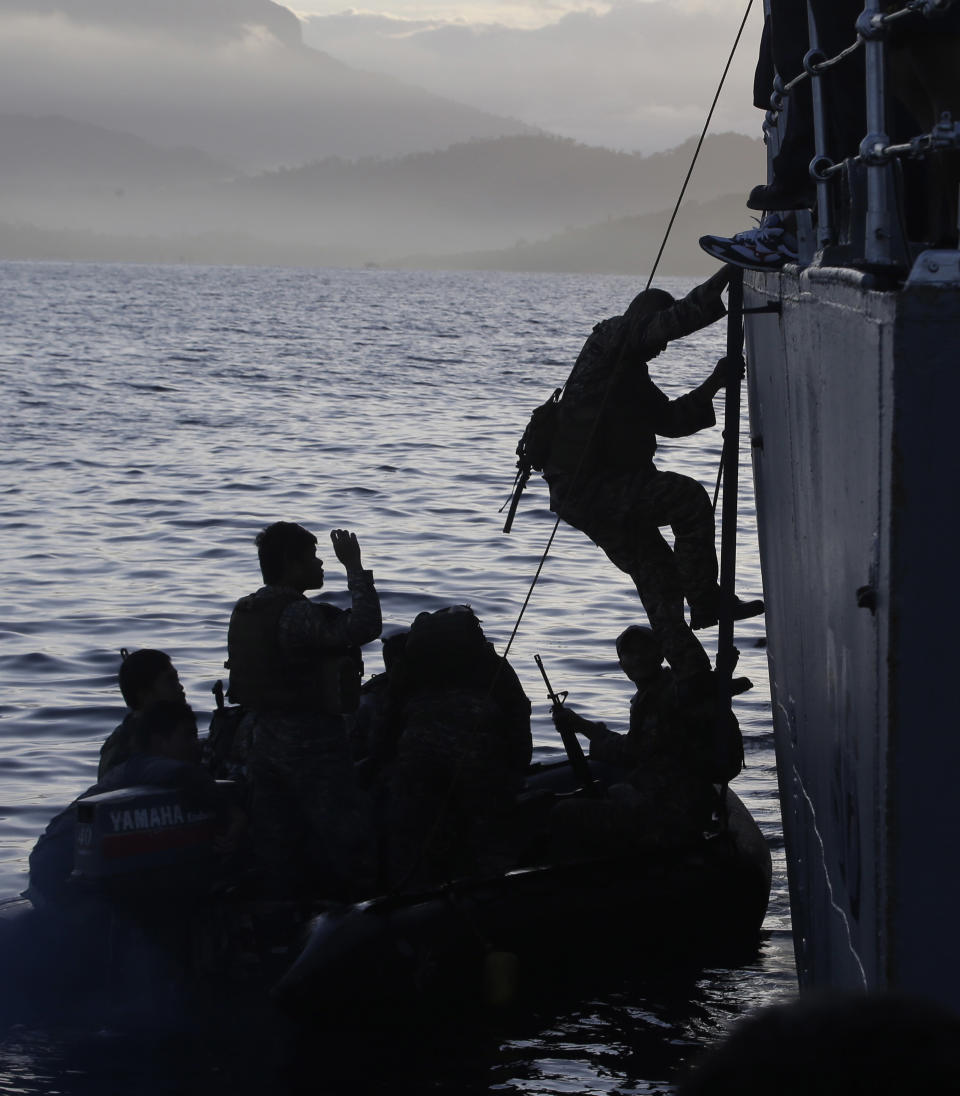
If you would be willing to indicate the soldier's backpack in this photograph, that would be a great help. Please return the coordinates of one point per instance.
(533, 449)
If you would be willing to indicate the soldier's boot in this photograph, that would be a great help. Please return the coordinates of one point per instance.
(707, 613)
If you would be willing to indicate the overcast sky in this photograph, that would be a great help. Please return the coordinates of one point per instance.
(513, 13)
(627, 74)
(631, 75)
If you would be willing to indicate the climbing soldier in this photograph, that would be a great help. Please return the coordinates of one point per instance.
(603, 480)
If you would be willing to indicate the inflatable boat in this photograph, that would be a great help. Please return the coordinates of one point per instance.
(145, 930)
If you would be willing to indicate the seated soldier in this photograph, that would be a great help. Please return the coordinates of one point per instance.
(678, 747)
(165, 753)
(463, 745)
(145, 677)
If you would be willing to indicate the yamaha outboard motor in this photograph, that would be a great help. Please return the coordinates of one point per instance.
(144, 842)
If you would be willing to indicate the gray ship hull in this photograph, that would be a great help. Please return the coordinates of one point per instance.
(856, 455)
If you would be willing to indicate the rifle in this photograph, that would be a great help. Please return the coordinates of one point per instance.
(578, 763)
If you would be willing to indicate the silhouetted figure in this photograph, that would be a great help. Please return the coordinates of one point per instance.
(371, 730)
(463, 745)
(783, 46)
(165, 753)
(835, 1044)
(295, 666)
(145, 677)
(678, 747)
(923, 88)
(785, 42)
(923, 56)
(603, 480)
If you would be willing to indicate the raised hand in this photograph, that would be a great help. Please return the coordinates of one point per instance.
(346, 548)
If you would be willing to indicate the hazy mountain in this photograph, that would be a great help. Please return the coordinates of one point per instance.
(100, 192)
(490, 192)
(481, 194)
(625, 245)
(61, 156)
(207, 130)
(229, 77)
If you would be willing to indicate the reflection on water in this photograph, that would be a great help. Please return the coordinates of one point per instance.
(157, 417)
(633, 1038)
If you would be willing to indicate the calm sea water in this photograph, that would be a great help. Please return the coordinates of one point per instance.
(154, 418)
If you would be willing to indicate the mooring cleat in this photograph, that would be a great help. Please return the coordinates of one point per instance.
(706, 617)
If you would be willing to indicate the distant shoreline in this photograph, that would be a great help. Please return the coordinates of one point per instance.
(619, 246)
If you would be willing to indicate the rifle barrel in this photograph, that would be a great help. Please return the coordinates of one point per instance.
(551, 695)
(575, 755)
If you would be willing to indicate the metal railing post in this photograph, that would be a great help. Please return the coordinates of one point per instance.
(878, 245)
(813, 57)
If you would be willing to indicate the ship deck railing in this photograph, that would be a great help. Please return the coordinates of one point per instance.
(858, 219)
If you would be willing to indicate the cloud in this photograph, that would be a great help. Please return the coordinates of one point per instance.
(510, 13)
(210, 21)
(50, 64)
(217, 77)
(638, 75)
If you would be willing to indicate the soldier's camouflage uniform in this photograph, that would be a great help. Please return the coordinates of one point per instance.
(667, 797)
(312, 831)
(603, 480)
(452, 806)
(463, 745)
(119, 744)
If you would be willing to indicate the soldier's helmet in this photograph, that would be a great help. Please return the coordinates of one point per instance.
(444, 646)
(645, 304)
(638, 637)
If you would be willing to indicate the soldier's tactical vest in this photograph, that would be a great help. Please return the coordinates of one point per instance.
(265, 678)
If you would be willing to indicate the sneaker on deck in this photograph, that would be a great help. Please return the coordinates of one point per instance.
(767, 247)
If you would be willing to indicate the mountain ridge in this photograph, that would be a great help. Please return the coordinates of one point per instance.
(239, 85)
(617, 246)
(483, 194)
